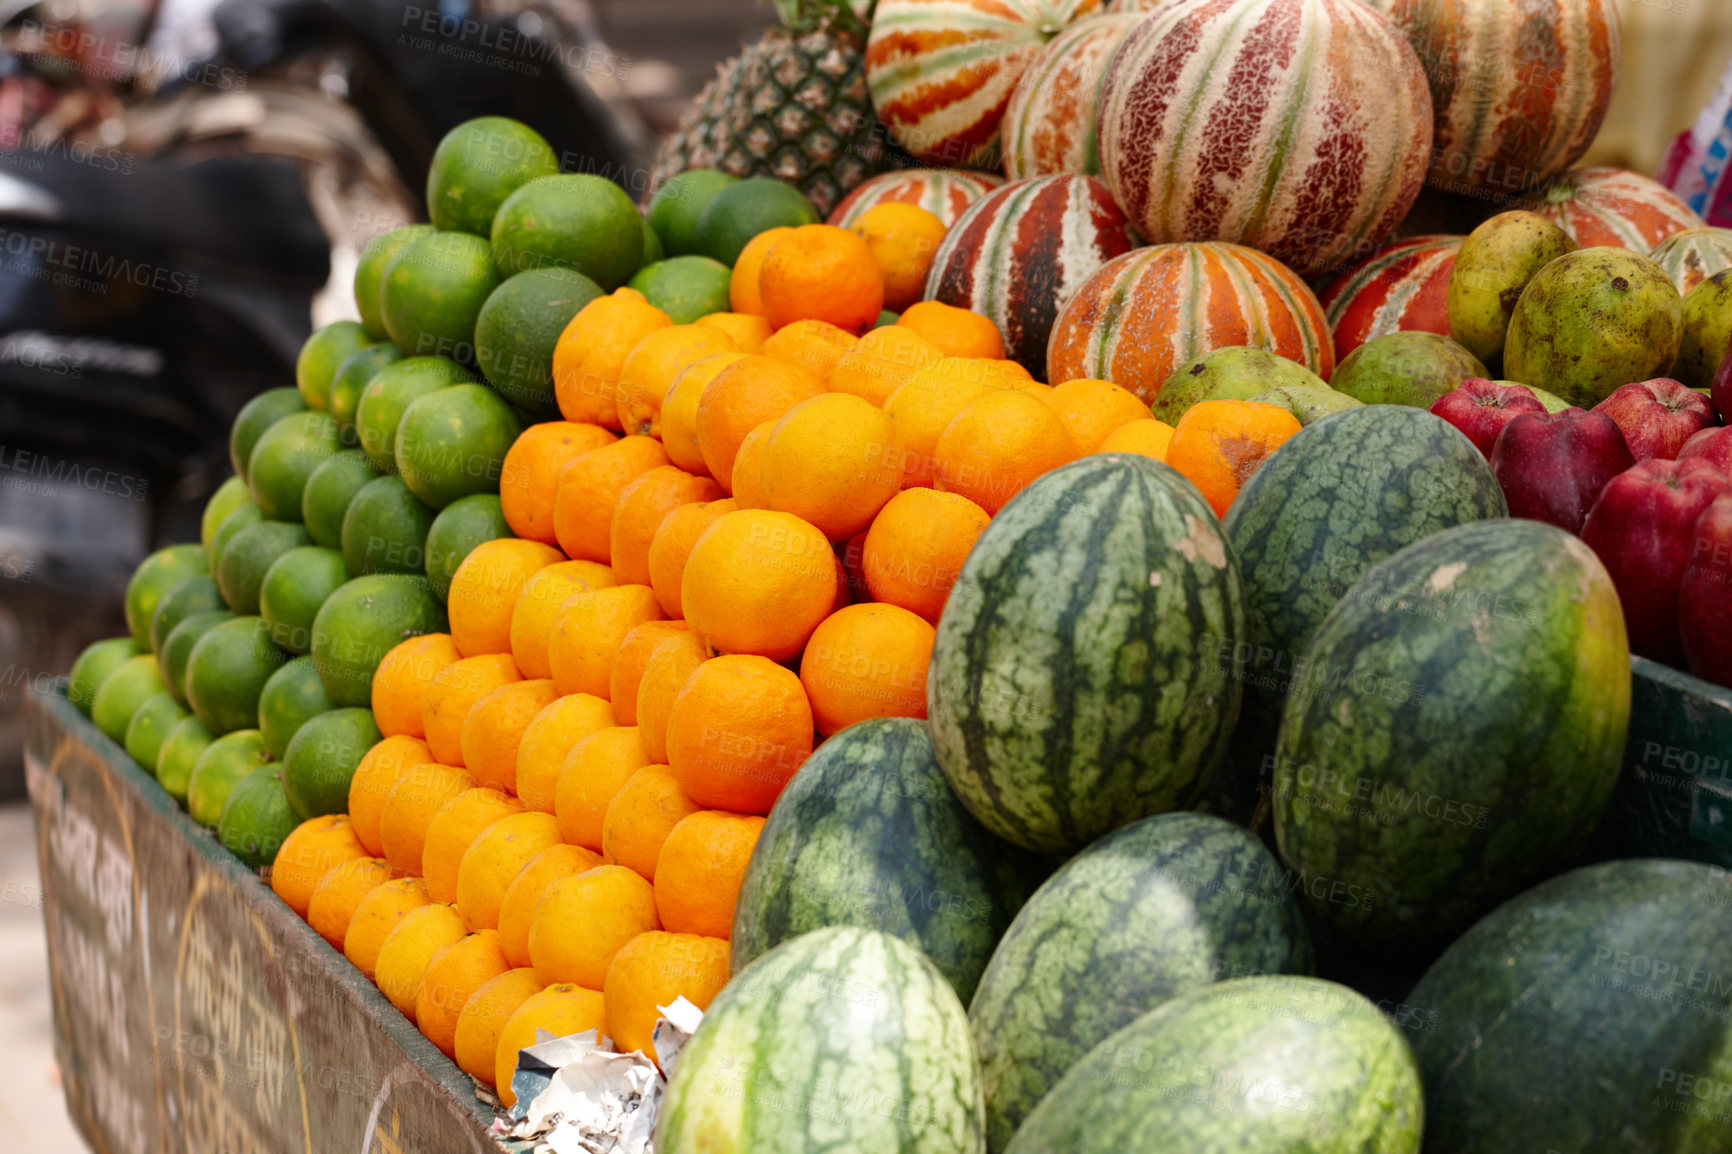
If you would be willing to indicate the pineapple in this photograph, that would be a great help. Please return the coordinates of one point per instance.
(793, 106)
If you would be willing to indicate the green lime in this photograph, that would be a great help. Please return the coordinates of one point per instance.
(154, 577)
(321, 357)
(395, 387)
(355, 375)
(133, 682)
(177, 648)
(518, 327)
(294, 587)
(196, 594)
(652, 245)
(886, 318)
(225, 763)
(459, 527)
(149, 727)
(741, 211)
(385, 529)
(226, 672)
(685, 287)
(433, 292)
(328, 493)
(285, 457)
(180, 751)
(581, 222)
(322, 758)
(92, 667)
(292, 697)
(480, 163)
(453, 443)
(376, 257)
(361, 622)
(249, 554)
(230, 495)
(255, 417)
(256, 819)
(243, 517)
(678, 206)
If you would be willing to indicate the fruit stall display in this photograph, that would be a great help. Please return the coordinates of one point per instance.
(1028, 581)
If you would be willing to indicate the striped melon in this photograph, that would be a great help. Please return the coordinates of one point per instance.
(1692, 256)
(1518, 89)
(1609, 206)
(1402, 286)
(1146, 313)
(944, 192)
(941, 71)
(1022, 251)
(1074, 684)
(1300, 127)
(1049, 124)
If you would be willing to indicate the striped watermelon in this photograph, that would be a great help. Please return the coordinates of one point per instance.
(1692, 256)
(1146, 313)
(1049, 124)
(1019, 253)
(1074, 683)
(941, 71)
(1402, 286)
(944, 192)
(1609, 206)
(1519, 89)
(1301, 127)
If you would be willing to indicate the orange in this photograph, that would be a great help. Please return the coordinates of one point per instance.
(453, 830)
(641, 816)
(651, 367)
(538, 607)
(743, 295)
(671, 664)
(997, 445)
(655, 969)
(340, 891)
(642, 505)
(452, 976)
(400, 683)
(595, 771)
(590, 487)
(700, 870)
(476, 1041)
(680, 410)
(561, 1010)
(628, 666)
(592, 349)
(1217, 445)
(738, 731)
(833, 461)
(672, 546)
(494, 727)
(517, 907)
(903, 238)
(916, 546)
(749, 332)
(493, 860)
(377, 915)
(484, 592)
(742, 396)
(1150, 438)
(409, 948)
(411, 806)
(816, 346)
(1034, 389)
(759, 582)
(867, 661)
(929, 402)
(454, 692)
(311, 851)
(583, 920)
(530, 476)
(1014, 376)
(1090, 410)
(748, 478)
(549, 738)
(589, 631)
(885, 359)
(821, 272)
(958, 332)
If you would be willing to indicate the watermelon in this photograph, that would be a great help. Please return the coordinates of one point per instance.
(1298, 127)
(1455, 731)
(843, 1039)
(1692, 256)
(1608, 206)
(1401, 287)
(1263, 1065)
(1145, 914)
(944, 192)
(1074, 685)
(868, 834)
(1049, 124)
(1615, 979)
(1020, 252)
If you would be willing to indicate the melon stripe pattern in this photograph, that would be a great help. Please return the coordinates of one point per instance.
(1692, 256)
(1299, 127)
(1022, 251)
(1049, 124)
(1148, 312)
(1403, 286)
(941, 71)
(944, 192)
(1609, 206)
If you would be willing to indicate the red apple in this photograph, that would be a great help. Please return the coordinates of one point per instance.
(1720, 390)
(1705, 595)
(1712, 445)
(1553, 465)
(1657, 416)
(1643, 529)
(1481, 408)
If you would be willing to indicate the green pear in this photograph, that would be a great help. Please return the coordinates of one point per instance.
(1495, 263)
(1407, 368)
(1707, 331)
(1235, 373)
